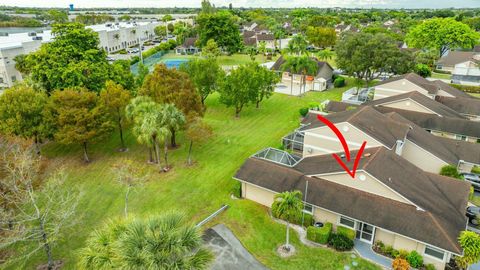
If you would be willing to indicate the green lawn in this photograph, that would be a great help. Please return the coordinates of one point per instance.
(197, 190)
(441, 76)
(475, 95)
(223, 60)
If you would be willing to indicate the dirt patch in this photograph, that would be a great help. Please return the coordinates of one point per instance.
(56, 265)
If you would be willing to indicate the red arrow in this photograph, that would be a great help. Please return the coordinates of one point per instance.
(345, 147)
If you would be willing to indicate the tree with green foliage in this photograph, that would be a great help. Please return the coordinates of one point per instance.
(211, 50)
(304, 65)
(297, 45)
(159, 242)
(366, 56)
(115, 98)
(207, 7)
(262, 49)
(470, 243)
(451, 171)
(321, 37)
(57, 16)
(288, 205)
(197, 132)
(325, 54)
(423, 70)
(165, 85)
(21, 64)
(72, 59)
(204, 74)
(291, 66)
(167, 18)
(442, 35)
(221, 27)
(121, 74)
(160, 31)
(252, 52)
(128, 174)
(23, 113)
(248, 83)
(174, 120)
(79, 117)
(141, 74)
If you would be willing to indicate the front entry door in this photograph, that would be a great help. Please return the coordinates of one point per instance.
(365, 232)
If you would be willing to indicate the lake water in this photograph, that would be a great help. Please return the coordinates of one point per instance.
(13, 30)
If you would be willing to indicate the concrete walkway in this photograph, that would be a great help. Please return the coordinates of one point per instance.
(229, 252)
(365, 251)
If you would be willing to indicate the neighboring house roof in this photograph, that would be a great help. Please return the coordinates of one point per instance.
(448, 150)
(367, 120)
(455, 57)
(431, 86)
(280, 61)
(189, 42)
(251, 41)
(423, 100)
(338, 106)
(248, 34)
(443, 199)
(470, 106)
(265, 37)
(433, 122)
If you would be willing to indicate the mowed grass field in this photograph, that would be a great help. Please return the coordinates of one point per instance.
(198, 190)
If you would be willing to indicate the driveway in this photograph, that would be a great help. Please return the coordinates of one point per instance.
(229, 252)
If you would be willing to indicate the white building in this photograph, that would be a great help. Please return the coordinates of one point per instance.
(467, 72)
(113, 37)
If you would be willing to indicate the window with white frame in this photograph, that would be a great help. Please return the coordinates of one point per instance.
(461, 137)
(308, 208)
(347, 222)
(434, 252)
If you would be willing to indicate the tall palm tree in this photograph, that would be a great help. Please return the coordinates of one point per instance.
(299, 44)
(159, 242)
(174, 120)
(152, 124)
(306, 66)
(289, 204)
(291, 65)
(326, 54)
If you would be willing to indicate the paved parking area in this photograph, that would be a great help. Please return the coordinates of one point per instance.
(229, 252)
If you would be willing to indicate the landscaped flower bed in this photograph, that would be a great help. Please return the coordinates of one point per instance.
(414, 259)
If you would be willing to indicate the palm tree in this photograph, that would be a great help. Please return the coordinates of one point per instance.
(152, 125)
(158, 242)
(326, 54)
(289, 204)
(298, 45)
(174, 120)
(291, 65)
(306, 66)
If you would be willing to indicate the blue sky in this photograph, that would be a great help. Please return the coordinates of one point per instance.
(250, 3)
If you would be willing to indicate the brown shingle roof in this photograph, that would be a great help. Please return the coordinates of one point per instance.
(443, 199)
(248, 34)
(470, 106)
(422, 100)
(265, 37)
(451, 90)
(250, 41)
(367, 120)
(338, 106)
(455, 57)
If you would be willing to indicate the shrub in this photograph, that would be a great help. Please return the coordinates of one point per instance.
(414, 259)
(346, 232)
(339, 82)
(237, 189)
(394, 253)
(475, 169)
(400, 264)
(423, 70)
(402, 253)
(430, 267)
(313, 105)
(387, 250)
(303, 111)
(340, 242)
(378, 245)
(442, 71)
(451, 171)
(319, 235)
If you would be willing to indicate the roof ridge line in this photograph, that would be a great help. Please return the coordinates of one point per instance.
(454, 243)
(372, 158)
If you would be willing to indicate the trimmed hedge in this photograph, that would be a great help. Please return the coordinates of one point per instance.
(303, 111)
(340, 242)
(319, 235)
(339, 82)
(475, 169)
(346, 232)
(467, 88)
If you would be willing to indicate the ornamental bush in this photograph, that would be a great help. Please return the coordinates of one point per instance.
(303, 111)
(475, 169)
(423, 70)
(414, 259)
(319, 235)
(340, 242)
(451, 171)
(297, 218)
(400, 264)
(339, 82)
(346, 232)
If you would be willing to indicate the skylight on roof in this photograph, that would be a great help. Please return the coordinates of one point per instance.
(278, 156)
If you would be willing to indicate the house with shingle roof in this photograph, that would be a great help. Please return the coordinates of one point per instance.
(189, 46)
(468, 107)
(389, 199)
(448, 61)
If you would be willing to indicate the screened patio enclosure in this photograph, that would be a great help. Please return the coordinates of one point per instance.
(278, 156)
(294, 141)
